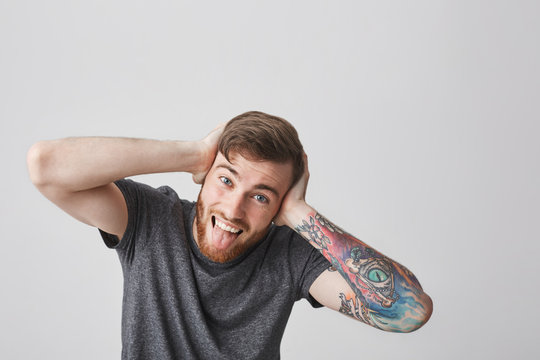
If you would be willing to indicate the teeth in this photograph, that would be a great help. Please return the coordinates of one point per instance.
(226, 227)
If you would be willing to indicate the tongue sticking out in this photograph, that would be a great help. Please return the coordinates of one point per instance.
(222, 239)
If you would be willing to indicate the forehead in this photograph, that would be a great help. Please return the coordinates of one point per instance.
(255, 173)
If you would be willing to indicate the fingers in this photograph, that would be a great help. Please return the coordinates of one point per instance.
(213, 137)
(306, 167)
(218, 130)
(305, 176)
(220, 126)
(208, 149)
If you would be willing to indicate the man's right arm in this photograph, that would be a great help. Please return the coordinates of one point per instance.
(78, 174)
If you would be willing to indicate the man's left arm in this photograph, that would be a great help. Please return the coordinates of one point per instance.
(362, 282)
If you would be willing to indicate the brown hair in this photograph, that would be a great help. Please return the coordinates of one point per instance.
(259, 136)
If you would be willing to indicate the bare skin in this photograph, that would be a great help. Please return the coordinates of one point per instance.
(77, 174)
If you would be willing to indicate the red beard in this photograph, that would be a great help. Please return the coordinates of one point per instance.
(241, 243)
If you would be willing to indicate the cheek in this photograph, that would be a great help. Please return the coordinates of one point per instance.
(211, 194)
(259, 217)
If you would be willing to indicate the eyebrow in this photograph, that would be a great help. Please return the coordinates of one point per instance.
(258, 186)
(269, 188)
(234, 172)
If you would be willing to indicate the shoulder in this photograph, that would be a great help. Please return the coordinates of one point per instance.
(151, 209)
(286, 241)
(132, 188)
(145, 199)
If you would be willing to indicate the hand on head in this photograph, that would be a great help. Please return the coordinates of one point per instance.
(208, 148)
(295, 196)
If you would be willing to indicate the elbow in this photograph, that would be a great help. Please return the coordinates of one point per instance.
(408, 317)
(419, 317)
(36, 161)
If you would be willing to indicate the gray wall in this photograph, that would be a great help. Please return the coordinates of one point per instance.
(420, 119)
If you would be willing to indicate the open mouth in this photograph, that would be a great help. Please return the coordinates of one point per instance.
(225, 227)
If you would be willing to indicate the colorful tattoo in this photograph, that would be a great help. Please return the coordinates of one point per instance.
(354, 308)
(386, 294)
(374, 274)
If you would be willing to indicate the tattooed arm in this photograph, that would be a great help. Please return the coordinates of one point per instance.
(362, 283)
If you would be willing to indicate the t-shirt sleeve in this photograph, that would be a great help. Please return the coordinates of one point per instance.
(146, 207)
(130, 192)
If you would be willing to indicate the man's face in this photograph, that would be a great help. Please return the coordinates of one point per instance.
(237, 203)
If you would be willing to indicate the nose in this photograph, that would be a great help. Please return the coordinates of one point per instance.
(235, 207)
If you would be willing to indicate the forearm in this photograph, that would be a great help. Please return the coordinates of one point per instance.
(76, 164)
(386, 294)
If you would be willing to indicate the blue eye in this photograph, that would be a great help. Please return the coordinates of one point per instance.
(225, 180)
(261, 198)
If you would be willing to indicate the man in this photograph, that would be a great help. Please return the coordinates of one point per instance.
(217, 279)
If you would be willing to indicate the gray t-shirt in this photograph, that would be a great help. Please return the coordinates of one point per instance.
(177, 304)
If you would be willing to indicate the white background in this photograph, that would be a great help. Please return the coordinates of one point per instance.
(420, 119)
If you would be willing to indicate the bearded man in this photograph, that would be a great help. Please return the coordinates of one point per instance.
(217, 279)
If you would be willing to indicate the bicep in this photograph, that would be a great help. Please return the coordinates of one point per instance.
(103, 207)
(332, 290)
(326, 289)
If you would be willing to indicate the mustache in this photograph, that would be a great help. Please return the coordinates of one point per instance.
(202, 212)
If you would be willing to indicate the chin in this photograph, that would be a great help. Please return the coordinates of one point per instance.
(204, 225)
(218, 255)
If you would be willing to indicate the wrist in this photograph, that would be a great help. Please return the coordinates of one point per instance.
(190, 156)
(203, 156)
(294, 213)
